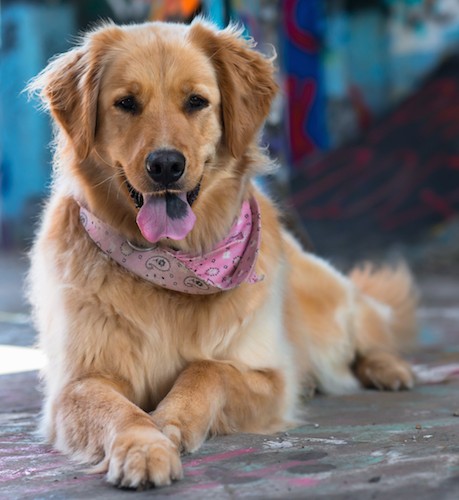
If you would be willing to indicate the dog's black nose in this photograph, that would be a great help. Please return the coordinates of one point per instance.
(165, 166)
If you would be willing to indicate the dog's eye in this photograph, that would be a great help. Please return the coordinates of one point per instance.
(195, 103)
(128, 104)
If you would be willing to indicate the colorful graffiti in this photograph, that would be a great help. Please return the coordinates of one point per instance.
(400, 178)
(302, 30)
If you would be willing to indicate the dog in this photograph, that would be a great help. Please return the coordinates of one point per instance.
(170, 301)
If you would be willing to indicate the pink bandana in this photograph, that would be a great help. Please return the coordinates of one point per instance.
(228, 265)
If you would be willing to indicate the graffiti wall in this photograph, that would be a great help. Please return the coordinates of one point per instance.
(302, 30)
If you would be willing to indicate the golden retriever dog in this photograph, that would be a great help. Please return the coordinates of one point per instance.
(170, 302)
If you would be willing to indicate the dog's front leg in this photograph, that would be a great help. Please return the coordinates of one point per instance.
(93, 416)
(212, 397)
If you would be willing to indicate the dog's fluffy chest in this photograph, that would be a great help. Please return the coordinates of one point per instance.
(125, 327)
(116, 324)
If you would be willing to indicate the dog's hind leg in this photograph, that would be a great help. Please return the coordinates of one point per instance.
(350, 330)
(383, 370)
(384, 323)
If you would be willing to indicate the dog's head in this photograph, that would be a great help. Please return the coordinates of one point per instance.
(165, 111)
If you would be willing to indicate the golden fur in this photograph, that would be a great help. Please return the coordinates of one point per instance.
(136, 373)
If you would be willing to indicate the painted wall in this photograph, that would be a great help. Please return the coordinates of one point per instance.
(30, 35)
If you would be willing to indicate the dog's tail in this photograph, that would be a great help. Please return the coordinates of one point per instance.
(393, 286)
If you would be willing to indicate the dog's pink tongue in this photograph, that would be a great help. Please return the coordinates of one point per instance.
(168, 216)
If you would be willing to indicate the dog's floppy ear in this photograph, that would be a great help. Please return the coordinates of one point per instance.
(69, 87)
(246, 82)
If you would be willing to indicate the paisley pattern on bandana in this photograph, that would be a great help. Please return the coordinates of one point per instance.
(225, 267)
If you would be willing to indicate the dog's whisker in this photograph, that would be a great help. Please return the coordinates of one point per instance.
(109, 179)
(123, 183)
(118, 174)
(103, 159)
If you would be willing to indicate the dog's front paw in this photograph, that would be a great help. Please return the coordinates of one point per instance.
(187, 436)
(141, 457)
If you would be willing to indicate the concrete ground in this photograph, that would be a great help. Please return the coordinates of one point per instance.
(369, 445)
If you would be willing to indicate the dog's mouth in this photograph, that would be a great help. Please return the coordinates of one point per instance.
(165, 215)
(137, 197)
